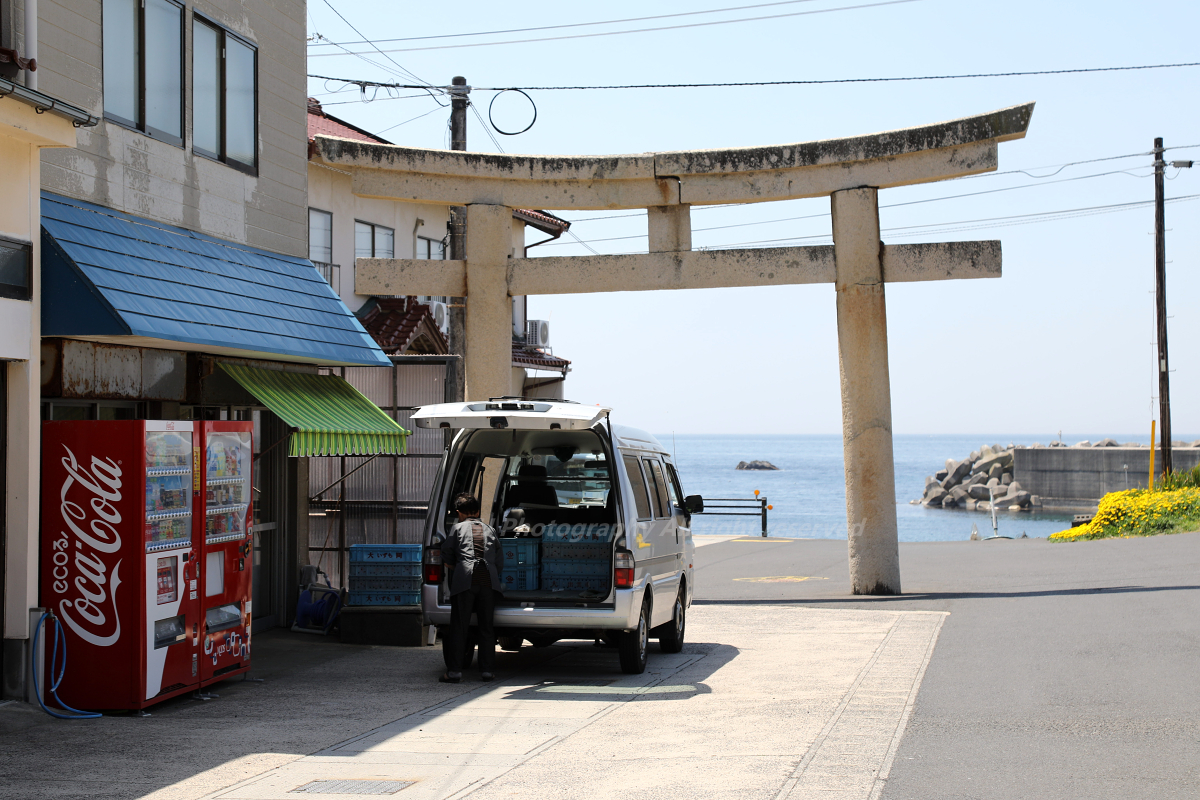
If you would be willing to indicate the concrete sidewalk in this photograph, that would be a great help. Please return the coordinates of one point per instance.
(767, 702)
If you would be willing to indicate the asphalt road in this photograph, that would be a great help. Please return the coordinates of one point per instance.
(1063, 670)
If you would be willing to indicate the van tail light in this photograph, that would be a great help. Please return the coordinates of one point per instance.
(623, 570)
(433, 565)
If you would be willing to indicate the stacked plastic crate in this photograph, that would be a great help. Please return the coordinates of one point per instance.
(576, 566)
(385, 575)
(520, 567)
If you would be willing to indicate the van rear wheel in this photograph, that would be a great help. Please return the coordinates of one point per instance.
(632, 645)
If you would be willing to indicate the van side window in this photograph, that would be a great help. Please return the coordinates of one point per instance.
(674, 486)
(640, 498)
(660, 488)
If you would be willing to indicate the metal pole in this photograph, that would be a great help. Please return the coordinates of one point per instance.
(763, 500)
(458, 236)
(1160, 300)
(1150, 485)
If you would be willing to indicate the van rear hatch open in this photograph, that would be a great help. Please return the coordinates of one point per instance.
(502, 413)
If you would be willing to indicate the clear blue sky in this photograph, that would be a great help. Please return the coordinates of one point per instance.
(1062, 341)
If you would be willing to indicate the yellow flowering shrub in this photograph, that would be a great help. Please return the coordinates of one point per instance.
(1139, 512)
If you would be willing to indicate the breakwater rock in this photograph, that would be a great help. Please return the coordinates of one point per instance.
(982, 479)
(767, 465)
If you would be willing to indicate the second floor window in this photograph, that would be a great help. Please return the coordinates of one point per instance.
(430, 248)
(320, 236)
(224, 96)
(373, 241)
(14, 270)
(143, 66)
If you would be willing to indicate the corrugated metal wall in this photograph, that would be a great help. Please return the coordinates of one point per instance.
(385, 500)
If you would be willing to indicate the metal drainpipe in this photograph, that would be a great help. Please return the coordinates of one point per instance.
(31, 39)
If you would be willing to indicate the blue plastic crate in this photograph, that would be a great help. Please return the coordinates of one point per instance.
(574, 583)
(386, 584)
(384, 599)
(519, 552)
(385, 569)
(385, 553)
(519, 578)
(575, 550)
(576, 566)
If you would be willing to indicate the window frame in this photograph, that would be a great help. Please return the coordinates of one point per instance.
(11, 291)
(329, 215)
(662, 502)
(427, 242)
(627, 458)
(222, 93)
(373, 226)
(140, 125)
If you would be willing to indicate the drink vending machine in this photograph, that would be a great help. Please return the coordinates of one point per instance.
(226, 503)
(126, 539)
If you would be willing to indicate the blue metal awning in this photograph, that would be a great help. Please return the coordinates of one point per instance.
(110, 276)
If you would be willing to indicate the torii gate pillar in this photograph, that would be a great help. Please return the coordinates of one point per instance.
(487, 356)
(866, 393)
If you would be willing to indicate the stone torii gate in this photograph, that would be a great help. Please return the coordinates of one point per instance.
(850, 171)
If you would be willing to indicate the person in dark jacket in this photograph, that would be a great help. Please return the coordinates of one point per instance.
(472, 557)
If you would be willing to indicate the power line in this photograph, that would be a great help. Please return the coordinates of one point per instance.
(634, 30)
(561, 27)
(889, 205)
(847, 80)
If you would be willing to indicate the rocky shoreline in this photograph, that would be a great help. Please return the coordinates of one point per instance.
(767, 465)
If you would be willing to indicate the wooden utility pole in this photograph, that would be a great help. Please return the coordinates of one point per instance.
(1160, 300)
(458, 235)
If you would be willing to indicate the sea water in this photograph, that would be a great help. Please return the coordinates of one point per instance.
(808, 491)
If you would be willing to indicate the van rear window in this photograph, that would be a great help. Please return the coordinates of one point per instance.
(640, 498)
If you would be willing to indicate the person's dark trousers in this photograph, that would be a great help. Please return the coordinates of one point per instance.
(481, 601)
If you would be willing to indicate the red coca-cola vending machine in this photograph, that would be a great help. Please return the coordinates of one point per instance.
(120, 566)
(225, 506)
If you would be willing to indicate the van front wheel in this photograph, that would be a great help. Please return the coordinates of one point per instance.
(633, 644)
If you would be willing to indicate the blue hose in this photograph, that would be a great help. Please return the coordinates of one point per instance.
(57, 676)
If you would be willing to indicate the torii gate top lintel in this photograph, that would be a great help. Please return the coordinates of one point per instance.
(686, 177)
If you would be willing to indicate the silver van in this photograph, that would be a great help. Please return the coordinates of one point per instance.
(594, 525)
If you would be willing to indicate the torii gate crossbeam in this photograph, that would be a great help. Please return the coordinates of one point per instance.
(850, 171)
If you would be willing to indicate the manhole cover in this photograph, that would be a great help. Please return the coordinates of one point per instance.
(352, 786)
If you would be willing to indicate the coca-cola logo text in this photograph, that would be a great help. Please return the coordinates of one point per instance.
(93, 523)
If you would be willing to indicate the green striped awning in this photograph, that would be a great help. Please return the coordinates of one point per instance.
(329, 417)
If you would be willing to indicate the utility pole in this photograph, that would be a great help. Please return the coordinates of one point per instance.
(1160, 300)
(458, 236)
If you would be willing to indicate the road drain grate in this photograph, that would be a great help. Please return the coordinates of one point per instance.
(352, 786)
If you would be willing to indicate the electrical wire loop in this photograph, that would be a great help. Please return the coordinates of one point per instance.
(492, 120)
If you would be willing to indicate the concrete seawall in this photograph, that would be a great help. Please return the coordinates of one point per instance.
(1077, 477)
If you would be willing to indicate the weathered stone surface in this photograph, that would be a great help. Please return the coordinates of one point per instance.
(940, 475)
(756, 465)
(1106, 443)
(1006, 479)
(1084, 443)
(995, 471)
(1057, 444)
(994, 485)
(974, 456)
(1018, 499)
(958, 493)
(1014, 487)
(969, 504)
(935, 497)
(929, 481)
(960, 471)
(978, 477)
(978, 492)
(949, 502)
(1003, 458)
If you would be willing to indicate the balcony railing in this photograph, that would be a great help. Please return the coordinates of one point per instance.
(332, 273)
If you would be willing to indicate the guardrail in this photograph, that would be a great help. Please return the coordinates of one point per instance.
(744, 503)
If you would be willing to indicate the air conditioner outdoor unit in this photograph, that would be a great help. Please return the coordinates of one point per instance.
(537, 333)
(441, 314)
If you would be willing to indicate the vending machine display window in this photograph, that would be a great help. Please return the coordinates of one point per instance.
(227, 486)
(222, 617)
(169, 631)
(168, 584)
(168, 490)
